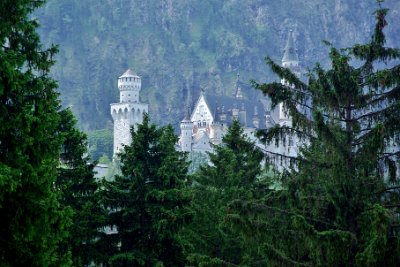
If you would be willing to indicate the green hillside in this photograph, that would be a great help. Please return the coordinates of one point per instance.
(180, 46)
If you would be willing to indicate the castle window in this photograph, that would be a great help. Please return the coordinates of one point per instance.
(199, 123)
(290, 141)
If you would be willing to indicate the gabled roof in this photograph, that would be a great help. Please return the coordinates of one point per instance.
(202, 95)
(216, 103)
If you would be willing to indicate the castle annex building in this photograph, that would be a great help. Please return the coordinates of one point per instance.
(211, 116)
(129, 111)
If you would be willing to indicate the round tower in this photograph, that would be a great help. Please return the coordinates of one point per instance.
(129, 85)
(186, 134)
(128, 112)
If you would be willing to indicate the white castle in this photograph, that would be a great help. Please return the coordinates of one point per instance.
(210, 118)
(129, 111)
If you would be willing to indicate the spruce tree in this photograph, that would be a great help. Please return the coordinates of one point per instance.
(232, 173)
(147, 203)
(79, 192)
(339, 206)
(32, 223)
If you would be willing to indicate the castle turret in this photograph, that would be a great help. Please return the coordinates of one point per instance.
(255, 119)
(129, 111)
(290, 57)
(269, 123)
(235, 112)
(238, 89)
(243, 115)
(290, 60)
(129, 85)
(186, 133)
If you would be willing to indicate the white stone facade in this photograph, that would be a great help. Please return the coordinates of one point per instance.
(207, 124)
(129, 111)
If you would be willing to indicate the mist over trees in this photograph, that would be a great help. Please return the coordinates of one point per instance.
(337, 205)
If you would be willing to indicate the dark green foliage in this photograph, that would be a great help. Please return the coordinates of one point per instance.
(32, 223)
(147, 204)
(233, 172)
(79, 193)
(100, 144)
(339, 206)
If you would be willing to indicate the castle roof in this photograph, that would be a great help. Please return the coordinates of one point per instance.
(290, 50)
(187, 116)
(129, 73)
(216, 103)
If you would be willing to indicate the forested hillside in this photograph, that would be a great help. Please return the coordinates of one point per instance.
(335, 203)
(178, 46)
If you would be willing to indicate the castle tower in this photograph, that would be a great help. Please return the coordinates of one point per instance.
(186, 133)
(255, 119)
(238, 89)
(243, 115)
(129, 111)
(290, 60)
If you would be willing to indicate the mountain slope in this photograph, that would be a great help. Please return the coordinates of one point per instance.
(180, 46)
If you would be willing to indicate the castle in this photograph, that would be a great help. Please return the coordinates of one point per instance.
(210, 118)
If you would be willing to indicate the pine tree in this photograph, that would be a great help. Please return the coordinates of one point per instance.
(340, 204)
(79, 190)
(232, 173)
(31, 222)
(148, 203)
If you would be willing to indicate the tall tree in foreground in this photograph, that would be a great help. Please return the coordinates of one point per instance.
(147, 204)
(233, 172)
(31, 221)
(79, 192)
(340, 205)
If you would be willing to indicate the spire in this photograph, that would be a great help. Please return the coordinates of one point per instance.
(290, 50)
(238, 90)
(187, 111)
(187, 114)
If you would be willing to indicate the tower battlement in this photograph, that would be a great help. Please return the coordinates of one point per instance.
(129, 86)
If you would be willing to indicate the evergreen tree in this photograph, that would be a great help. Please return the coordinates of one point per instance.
(235, 165)
(148, 203)
(31, 221)
(79, 189)
(339, 206)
